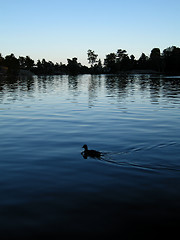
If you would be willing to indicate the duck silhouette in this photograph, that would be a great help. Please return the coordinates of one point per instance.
(90, 153)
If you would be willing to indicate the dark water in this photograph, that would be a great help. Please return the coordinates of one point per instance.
(48, 189)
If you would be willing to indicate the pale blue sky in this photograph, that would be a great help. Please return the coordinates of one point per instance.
(61, 29)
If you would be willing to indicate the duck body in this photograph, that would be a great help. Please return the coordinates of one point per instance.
(90, 153)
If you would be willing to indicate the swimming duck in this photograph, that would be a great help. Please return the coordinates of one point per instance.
(90, 153)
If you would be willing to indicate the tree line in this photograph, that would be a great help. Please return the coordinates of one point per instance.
(167, 62)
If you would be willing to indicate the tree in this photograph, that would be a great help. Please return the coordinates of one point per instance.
(22, 62)
(155, 53)
(98, 69)
(171, 60)
(122, 58)
(143, 61)
(155, 59)
(12, 63)
(132, 57)
(110, 62)
(73, 66)
(1, 60)
(132, 62)
(92, 57)
(29, 63)
(99, 64)
(121, 55)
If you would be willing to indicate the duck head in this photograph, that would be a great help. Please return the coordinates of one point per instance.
(85, 147)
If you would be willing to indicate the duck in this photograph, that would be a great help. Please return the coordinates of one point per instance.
(90, 153)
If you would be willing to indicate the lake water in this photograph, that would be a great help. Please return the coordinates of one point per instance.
(47, 188)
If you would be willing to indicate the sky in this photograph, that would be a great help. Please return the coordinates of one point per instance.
(61, 29)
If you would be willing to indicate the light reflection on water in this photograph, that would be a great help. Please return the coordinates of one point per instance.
(48, 188)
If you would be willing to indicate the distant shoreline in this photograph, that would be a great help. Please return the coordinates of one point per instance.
(29, 74)
(166, 62)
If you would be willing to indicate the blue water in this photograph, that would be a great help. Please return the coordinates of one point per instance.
(47, 188)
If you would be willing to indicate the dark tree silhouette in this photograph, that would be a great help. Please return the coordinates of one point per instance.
(1, 59)
(98, 68)
(26, 63)
(115, 63)
(167, 62)
(171, 57)
(143, 62)
(155, 59)
(122, 60)
(132, 62)
(110, 62)
(121, 55)
(92, 57)
(12, 63)
(29, 63)
(73, 66)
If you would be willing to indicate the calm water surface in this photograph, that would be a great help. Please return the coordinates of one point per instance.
(48, 188)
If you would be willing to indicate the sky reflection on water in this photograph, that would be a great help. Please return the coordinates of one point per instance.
(47, 187)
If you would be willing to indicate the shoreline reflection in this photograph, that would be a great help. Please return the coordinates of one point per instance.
(117, 87)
